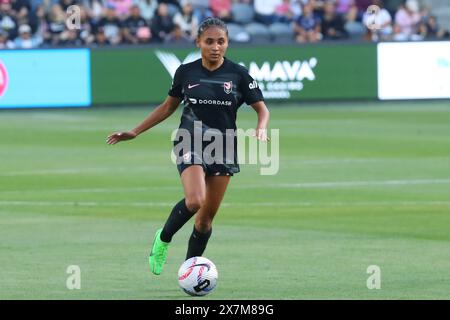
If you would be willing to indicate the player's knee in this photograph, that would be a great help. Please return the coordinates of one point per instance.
(194, 203)
(203, 225)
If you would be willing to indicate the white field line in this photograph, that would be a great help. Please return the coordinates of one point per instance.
(337, 161)
(226, 204)
(69, 171)
(362, 183)
(86, 203)
(94, 190)
(150, 168)
(302, 185)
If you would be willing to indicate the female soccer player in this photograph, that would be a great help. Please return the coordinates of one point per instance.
(212, 89)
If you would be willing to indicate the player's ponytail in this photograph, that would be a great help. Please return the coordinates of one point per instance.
(211, 22)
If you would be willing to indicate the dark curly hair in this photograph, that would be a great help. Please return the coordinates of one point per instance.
(211, 22)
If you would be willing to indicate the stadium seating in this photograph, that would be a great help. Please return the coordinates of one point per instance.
(237, 33)
(242, 13)
(441, 9)
(281, 32)
(258, 32)
(47, 25)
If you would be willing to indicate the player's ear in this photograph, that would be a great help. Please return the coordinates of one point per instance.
(197, 42)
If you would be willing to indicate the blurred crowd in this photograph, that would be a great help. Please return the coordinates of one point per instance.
(43, 23)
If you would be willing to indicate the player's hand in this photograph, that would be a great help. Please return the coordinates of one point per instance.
(261, 134)
(120, 136)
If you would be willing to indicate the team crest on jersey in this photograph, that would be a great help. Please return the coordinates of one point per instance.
(228, 87)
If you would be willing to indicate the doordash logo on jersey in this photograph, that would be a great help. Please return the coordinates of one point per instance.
(3, 79)
(210, 102)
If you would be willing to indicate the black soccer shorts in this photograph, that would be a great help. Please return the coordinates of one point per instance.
(211, 169)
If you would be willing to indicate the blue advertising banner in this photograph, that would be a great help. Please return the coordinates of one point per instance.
(45, 78)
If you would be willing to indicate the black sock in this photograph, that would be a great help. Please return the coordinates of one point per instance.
(178, 217)
(197, 243)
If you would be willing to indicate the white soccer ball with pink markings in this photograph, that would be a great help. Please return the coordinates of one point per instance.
(197, 276)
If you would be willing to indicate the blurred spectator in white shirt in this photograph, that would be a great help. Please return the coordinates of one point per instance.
(25, 40)
(378, 23)
(265, 10)
(407, 21)
(94, 9)
(186, 20)
(5, 43)
(147, 8)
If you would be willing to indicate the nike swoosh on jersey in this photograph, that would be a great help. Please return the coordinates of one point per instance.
(193, 85)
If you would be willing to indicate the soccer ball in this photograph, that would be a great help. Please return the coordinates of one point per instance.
(197, 276)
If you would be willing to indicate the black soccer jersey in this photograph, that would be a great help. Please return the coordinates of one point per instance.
(213, 97)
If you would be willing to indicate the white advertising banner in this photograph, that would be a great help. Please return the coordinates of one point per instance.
(414, 70)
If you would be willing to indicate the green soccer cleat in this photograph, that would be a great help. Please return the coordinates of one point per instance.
(158, 256)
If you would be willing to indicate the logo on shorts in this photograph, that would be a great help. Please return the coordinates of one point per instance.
(228, 87)
(187, 156)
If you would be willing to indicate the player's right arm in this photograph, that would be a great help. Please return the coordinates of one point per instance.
(162, 112)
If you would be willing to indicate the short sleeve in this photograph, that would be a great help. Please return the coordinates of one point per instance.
(176, 90)
(249, 88)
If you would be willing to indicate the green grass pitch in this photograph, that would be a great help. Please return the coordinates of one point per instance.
(359, 184)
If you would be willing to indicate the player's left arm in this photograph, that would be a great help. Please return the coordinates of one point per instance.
(263, 120)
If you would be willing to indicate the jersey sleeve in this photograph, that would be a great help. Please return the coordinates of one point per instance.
(249, 88)
(176, 90)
